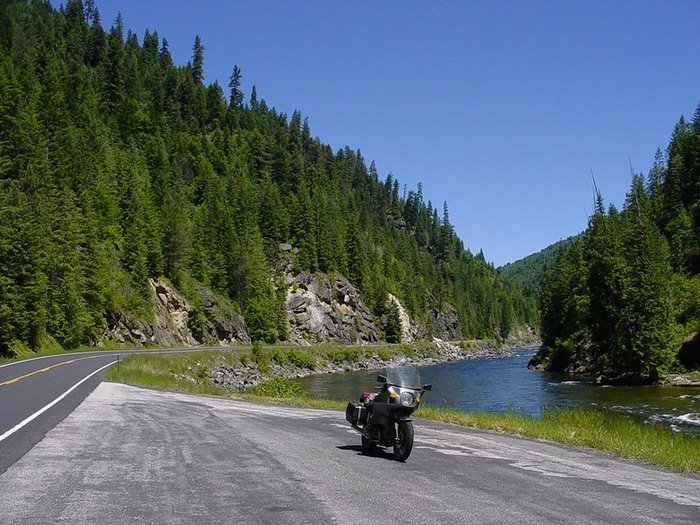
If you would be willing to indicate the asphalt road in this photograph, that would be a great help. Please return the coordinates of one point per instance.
(36, 394)
(143, 456)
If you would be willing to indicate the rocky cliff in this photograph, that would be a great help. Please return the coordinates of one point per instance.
(445, 323)
(174, 318)
(322, 309)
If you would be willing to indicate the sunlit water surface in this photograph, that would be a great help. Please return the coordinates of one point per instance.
(497, 385)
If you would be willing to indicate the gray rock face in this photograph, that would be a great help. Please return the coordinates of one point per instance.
(322, 309)
(169, 326)
(224, 324)
(171, 315)
(445, 323)
(409, 331)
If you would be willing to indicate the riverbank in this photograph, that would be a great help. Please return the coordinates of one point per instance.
(579, 366)
(269, 363)
(687, 379)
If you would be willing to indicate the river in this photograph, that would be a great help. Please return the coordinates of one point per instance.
(497, 385)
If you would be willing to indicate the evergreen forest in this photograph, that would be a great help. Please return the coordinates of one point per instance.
(117, 165)
(623, 299)
(527, 272)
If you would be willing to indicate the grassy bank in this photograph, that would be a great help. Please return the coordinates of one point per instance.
(597, 429)
(600, 430)
(188, 372)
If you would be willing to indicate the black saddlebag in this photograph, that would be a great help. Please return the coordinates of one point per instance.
(356, 414)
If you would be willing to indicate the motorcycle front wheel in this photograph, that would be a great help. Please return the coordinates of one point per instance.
(404, 441)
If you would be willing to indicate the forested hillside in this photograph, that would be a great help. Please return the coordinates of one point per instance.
(624, 298)
(117, 165)
(527, 272)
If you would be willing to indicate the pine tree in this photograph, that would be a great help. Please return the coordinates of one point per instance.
(254, 98)
(197, 64)
(236, 95)
(648, 309)
(113, 70)
(392, 329)
(176, 234)
(304, 230)
(607, 285)
(22, 283)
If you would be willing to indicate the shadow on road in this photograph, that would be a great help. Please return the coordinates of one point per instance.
(376, 453)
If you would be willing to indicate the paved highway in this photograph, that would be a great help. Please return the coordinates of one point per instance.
(128, 454)
(36, 394)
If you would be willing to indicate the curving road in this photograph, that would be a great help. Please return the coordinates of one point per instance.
(36, 394)
(128, 454)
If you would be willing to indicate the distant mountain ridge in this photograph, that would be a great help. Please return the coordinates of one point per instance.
(527, 272)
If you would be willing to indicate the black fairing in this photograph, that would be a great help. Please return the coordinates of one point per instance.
(384, 413)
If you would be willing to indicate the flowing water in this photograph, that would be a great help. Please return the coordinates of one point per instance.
(497, 385)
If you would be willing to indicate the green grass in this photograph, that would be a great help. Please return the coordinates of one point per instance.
(619, 435)
(187, 373)
(597, 429)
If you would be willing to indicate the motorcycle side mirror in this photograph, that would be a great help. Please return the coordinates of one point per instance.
(381, 379)
(427, 388)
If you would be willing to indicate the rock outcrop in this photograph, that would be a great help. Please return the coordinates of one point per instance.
(410, 331)
(223, 324)
(171, 322)
(322, 309)
(445, 323)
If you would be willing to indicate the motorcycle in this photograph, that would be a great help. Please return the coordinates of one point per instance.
(383, 417)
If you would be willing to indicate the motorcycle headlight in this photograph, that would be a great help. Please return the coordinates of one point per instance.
(407, 398)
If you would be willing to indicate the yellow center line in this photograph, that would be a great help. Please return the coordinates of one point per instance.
(46, 369)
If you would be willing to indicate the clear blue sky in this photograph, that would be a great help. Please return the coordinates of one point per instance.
(500, 108)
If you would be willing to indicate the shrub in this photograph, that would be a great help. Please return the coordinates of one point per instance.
(301, 359)
(341, 354)
(260, 357)
(278, 387)
(408, 351)
(384, 354)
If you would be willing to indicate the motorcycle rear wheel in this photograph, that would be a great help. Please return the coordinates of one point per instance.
(404, 442)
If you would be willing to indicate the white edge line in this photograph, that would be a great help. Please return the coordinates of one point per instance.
(58, 399)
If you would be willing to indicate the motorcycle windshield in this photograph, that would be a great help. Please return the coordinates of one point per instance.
(404, 376)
